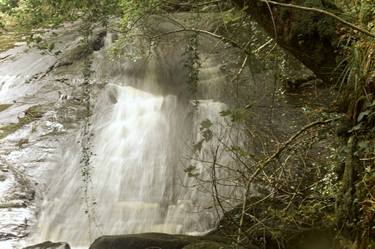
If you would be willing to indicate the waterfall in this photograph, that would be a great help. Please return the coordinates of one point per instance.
(141, 144)
(137, 182)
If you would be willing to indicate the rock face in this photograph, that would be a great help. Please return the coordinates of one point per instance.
(158, 241)
(39, 109)
(49, 245)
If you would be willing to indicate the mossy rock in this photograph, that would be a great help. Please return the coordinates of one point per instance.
(49, 245)
(2, 177)
(3, 107)
(13, 204)
(31, 114)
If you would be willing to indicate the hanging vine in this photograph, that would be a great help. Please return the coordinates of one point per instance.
(192, 65)
(86, 136)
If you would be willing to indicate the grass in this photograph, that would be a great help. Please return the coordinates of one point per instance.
(3, 107)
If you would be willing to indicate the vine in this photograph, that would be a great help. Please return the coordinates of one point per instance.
(193, 65)
(86, 136)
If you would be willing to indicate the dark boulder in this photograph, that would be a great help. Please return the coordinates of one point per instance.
(141, 241)
(161, 241)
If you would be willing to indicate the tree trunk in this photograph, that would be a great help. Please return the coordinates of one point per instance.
(311, 37)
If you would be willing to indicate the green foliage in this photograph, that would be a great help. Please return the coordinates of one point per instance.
(40, 13)
(206, 133)
(192, 63)
(136, 9)
(191, 171)
(7, 6)
(236, 115)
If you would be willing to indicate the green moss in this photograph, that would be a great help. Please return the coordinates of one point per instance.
(208, 245)
(31, 114)
(3, 107)
(12, 204)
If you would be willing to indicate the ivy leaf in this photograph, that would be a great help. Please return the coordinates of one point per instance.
(207, 135)
(236, 115)
(206, 124)
(192, 171)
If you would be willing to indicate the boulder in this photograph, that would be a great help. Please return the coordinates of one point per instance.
(142, 241)
(49, 245)
(162, 241)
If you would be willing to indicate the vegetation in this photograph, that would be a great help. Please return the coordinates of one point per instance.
(335, 39)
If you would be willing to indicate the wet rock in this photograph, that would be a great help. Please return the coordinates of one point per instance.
(141, 241)
(4, 169)
(49, 245)
(7, 236)
(22, 142)
(28, 195)
(2, 177)
(13, 204)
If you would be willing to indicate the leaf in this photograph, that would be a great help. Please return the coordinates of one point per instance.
(192, 171)
(190, 174)
(356, 128)
(225, 113)
(206, 124)
(207, 135)
(362, 115)
(190, 168)
(238, 115)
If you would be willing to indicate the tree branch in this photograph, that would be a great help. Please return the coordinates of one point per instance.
(286, 144)
(324, 12)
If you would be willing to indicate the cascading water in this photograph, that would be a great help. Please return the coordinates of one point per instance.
(131, 174)
(136, 175)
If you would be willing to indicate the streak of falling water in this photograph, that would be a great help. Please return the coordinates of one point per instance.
(131, 173)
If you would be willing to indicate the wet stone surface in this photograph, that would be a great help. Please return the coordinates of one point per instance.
(33, 118)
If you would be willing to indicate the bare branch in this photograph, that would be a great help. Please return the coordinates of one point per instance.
(286, 144)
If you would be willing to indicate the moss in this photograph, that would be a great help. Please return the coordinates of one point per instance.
(3, 107)
(31, 114)
(13, 204)
(208, 245)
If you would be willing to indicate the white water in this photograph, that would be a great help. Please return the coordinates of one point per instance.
(136, 172)
(141, 145)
